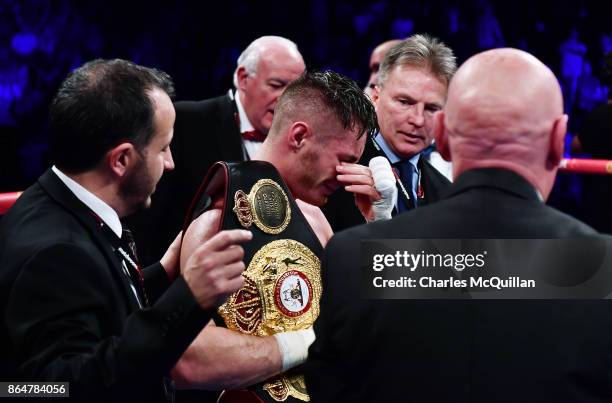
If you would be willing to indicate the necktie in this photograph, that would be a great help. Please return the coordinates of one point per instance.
(128, 239)
(406, 173)
(254, 135)
(428, 150)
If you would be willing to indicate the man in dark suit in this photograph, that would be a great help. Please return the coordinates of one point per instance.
(503, 127)
(412, 85)
(76, 305)
(226, 128)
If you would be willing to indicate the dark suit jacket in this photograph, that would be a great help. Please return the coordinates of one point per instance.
(457, 350)
(341, 211)
(204, 132)
(68, 313)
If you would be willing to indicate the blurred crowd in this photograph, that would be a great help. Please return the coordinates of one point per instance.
(41, 41)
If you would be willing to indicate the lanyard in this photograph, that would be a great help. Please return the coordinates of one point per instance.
(128, 261)
(403, 188)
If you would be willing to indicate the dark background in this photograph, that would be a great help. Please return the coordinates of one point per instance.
(198, 42)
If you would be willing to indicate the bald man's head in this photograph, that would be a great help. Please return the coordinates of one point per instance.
(378, 54)
(505, 109)
(264, 69)
(376, 58)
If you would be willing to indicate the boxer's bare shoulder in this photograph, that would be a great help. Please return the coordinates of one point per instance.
(317, 221)
(200, 230)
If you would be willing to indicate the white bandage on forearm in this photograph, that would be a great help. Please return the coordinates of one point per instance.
(384, 182)
(293, 346)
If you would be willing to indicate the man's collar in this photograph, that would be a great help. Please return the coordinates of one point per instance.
(245, 124)
(97, 205)
(391, 156)
(499, 178)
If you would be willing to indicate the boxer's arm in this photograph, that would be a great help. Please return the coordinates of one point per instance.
(220, 358)
(199, 231)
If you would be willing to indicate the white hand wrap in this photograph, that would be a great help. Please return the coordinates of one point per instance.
(384, 182)
(293, 346)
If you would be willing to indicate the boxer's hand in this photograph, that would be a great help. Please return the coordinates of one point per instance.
(384, 182)
(293, 346)
(358, 180)
(214, 270)
(170, 260)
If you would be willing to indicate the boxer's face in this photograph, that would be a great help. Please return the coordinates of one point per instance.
(405, 106)
(260, 90)
(317, 165)
(140, 182)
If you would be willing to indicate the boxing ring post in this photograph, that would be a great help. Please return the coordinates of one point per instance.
(586, 166)
(7, 200)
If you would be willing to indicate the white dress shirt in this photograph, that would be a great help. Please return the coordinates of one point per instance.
(250, 147)
(103, 210)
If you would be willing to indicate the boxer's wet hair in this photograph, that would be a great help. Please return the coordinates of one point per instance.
(98, 106)
(320, 94)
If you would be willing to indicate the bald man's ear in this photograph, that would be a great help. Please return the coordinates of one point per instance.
(242, 74)
(375, 95)
(440, 136)
(299, 133)
(557, 141)
(121, 158)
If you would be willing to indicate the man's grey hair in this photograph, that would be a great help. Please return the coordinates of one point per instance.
(249, 58)
(422, 51)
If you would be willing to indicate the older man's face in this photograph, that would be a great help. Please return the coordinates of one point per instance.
(260, 91)
(405, 106)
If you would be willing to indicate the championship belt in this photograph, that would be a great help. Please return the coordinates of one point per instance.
(282, 280)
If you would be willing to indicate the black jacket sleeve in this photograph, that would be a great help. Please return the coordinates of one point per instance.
(64, 315)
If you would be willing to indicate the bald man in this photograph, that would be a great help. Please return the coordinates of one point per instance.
(230, 127)
(376, 58)
(503, 128)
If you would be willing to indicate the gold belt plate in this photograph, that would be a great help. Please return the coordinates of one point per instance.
(266, 206)
(281, 293)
